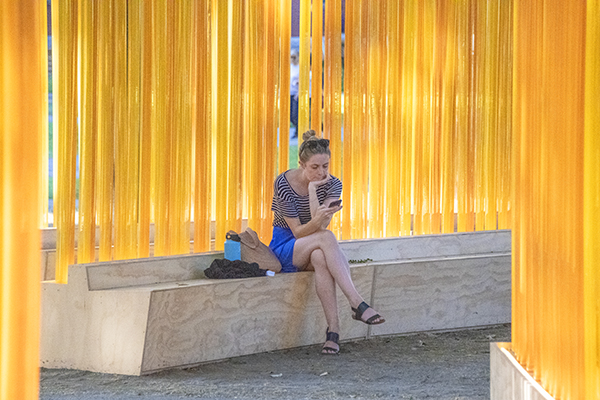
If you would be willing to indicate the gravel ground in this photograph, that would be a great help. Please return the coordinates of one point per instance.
(435, 365)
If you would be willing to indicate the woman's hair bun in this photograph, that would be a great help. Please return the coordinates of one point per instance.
(308, 135)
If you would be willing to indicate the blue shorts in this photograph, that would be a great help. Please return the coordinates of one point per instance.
(282, 244)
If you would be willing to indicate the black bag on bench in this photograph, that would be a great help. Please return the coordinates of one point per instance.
(225, 269)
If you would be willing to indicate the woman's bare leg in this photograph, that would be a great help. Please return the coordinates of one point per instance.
(325, 287)
(336, 263)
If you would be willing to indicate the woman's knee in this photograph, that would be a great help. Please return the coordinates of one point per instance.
(326, 237)
(317, 259)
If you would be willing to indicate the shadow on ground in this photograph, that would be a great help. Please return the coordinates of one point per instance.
(442, 365)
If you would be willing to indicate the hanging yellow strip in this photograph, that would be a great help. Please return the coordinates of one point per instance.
(105, 172)
(203, 166)
(55, 64)
(418, 123)
(408, 116)
(236, 54)
(428, 116)
(316, 66)
(66, 130)
(145, 131)
(440, 16)
(354, 107)
(247, 109)
(269, 127)
(448, 118)
(134, 87)
(362, 159)
(472, 129)
(121, 133)
(44, 182)
(481, 135)
(333, 92)
(328, 71)
(86, 244)
(463, 44)
(304, 79)
(22, 96)
(285, 33)
(592, 203)
(349, 50)
(221, 131)
(491, 113)
(505, 104)
(393, 132)
(254, 135)
(173, 218)
(180, 197)
(373, 110)
(549, 244)
(160, 144)
(336, 89)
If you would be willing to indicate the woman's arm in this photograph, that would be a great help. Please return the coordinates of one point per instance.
(319, 221)
(314, 201)
(300, 230)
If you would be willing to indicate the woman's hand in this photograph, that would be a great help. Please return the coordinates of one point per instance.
(324, 213)
(316, 184)
(312, 196)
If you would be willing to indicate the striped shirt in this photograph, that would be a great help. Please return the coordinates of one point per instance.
(288, 203)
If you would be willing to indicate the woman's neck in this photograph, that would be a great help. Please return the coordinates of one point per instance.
(299, 181)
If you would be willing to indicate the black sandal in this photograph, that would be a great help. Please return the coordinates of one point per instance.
(331, 337)
(358, 312)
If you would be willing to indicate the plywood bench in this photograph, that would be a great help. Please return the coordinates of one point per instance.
(140, 316)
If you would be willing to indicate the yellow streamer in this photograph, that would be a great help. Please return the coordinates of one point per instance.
(392, 159)
(220, 124)
(145, 131)
(134, 110)
(269, 129)
(374, 98)
(160, 139)
(125, 208)
(349, 117)
(284, 84)
(425, 112)
(592, 203)
(549, 259)
(332, 126)
(183, 139)
(22, 97)
(316, 66)
(203, 186)
(304, 78)
(65, 128)
(86, 247)
(105, 148)
(407, 123)
(234, 189)
(255, 144)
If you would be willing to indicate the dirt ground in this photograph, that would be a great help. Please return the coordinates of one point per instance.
(441, 365)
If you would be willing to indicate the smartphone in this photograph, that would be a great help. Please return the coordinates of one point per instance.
(335, 203)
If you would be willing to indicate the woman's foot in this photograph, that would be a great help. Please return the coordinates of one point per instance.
(331, 346)
(366, 314)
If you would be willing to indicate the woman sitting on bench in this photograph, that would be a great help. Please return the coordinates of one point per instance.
(304, 202)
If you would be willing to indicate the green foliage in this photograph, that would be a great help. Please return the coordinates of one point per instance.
(366, 260)
(293, 157)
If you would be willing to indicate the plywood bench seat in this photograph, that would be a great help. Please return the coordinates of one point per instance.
(141, 316)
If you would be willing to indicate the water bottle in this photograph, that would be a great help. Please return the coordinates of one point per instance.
(233, 250)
